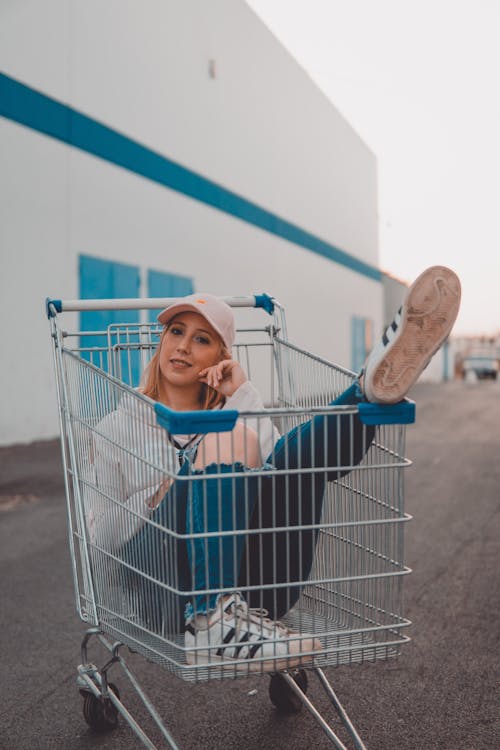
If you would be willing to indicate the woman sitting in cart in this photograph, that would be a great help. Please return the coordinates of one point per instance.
(193, 369)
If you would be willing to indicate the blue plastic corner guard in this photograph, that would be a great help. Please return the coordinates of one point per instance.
(56, 303)
(195, 422)
(264, 301)
(402, 413)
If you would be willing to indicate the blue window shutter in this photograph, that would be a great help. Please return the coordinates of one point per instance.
(105, 279)
(163, 284)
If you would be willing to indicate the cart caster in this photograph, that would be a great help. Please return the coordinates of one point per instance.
(100, 713)
(283, 697)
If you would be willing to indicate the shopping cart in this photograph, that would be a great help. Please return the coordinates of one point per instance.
(349, 601)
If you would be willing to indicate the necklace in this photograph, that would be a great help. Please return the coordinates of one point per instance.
(181, 449)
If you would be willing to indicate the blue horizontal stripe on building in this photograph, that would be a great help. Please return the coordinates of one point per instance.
(26, 106)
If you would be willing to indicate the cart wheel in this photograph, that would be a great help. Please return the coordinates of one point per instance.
(100, 713)
(283, 696)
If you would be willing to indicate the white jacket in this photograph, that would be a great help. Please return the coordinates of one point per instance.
(132, 456)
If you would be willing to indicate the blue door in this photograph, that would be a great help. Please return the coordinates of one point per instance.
(105, 279)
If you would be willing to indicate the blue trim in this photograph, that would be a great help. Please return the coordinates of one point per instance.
(35, 110)
(402, 413)
(265, 302)
(195, 422)
(55, 303)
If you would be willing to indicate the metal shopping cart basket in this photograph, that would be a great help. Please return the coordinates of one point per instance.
(333, 574)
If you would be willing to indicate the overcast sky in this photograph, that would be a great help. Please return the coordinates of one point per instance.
(419, 81)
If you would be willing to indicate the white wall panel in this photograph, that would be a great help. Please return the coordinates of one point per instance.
(130, 220)
(35, 44)
(260, 128)
(35, 260)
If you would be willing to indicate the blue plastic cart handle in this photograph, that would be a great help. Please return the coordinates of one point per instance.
(195, 422)
(265, 302)
(402, 413)
(224, 420)
(55, 303)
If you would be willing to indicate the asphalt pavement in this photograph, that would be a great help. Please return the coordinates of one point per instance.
(442, 692)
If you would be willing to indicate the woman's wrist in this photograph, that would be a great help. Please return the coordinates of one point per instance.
(160, 493)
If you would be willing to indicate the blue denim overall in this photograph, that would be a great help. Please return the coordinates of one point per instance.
(243, 502)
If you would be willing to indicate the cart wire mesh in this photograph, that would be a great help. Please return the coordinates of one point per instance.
(350, 599)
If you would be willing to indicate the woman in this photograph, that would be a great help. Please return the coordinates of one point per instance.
(192, 369)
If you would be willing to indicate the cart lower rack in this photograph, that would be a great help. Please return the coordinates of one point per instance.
(298, 560)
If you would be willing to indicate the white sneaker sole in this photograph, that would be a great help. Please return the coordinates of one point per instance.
(428, 315)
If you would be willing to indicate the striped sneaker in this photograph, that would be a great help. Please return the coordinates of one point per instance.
(421, 325)
(241, 638)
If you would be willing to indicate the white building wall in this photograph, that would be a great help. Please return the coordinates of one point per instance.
(260, 128)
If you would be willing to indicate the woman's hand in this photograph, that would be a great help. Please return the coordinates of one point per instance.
(160, 493)
(225, 377)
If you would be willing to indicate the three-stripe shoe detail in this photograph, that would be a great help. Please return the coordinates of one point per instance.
(243, 649)
(391, 330)
(245, 638)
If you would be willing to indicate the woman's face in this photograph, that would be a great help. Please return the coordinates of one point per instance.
(189, 345)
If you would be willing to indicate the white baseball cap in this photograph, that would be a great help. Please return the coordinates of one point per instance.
(214, 310)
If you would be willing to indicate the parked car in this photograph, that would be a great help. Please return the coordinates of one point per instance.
(484, 368)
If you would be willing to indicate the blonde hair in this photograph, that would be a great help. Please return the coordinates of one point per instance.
(151, 377)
